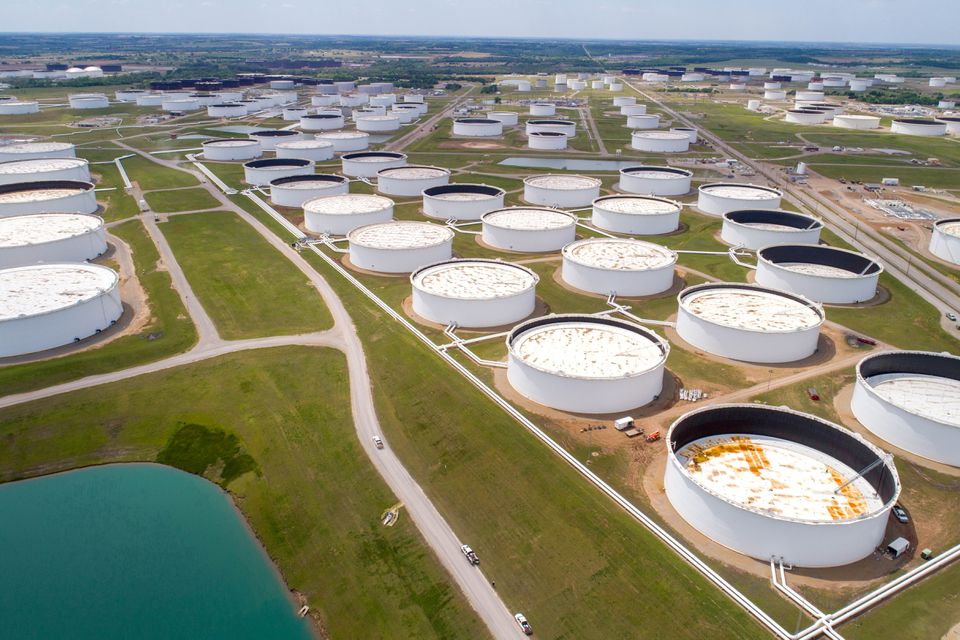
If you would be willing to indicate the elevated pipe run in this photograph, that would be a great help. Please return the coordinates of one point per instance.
(228, 190)
(123, 173)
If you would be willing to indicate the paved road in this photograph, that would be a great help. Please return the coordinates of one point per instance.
(425, 128)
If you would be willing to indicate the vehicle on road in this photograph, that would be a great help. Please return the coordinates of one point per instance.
(900, 514)
(377, 441)
(524, 625)
(469, 554)
(951, 317)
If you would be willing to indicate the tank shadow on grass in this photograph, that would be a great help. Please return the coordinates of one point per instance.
(209, 452)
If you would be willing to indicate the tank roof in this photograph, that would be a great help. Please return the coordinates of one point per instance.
(304, 144)
(38, 193)
(230, 142)
(463, 191)
(341, 135)
(42, 288)
(474, 279)
(637, 205)
(950, 227)
(820, 260)
(529, 218)
(657, 173)
(39, 165)
(929, 396)
(19, 231)
(347, 204)
(562, 182)
(413, 172)
(400, 234)
(751, 308)
(660, 135)
(740, 191)
(619, 254)
(35, 147)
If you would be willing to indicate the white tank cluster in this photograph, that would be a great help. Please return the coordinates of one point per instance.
(562, 191)
(586, 364)
(88, 101)
(410, 180)
(231, 149)
(34, 150)
(528, 229)
(819, 273)
(547, 140)
(636, 215)
(768, 482)
(758, 228)
(643, 121)
(338, 215)
(379, 124)
(268, 138)
(911, 399)
(621, 266)
(478, 127)
(660, 141)
(18, 107)
(656, 181)
(294, 191)
(44, 169)
(400, 246)
(366, 164)
(226, 110)
(749, 322)
(952, 123)
(263, 172)
(321, 121)
(718, 198)
(43, 306)
(50, 237)
(346, 141)
(566, 127)
(473, 293)
(855, 121)
(918, 127)
(461, 201)
(543, 109)
(945, 240)
(47, 196)
(316, 150)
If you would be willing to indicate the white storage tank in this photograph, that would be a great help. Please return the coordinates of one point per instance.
(763, 481)
(47, 196)
(805, 116)
(660, 141)
(413, 98)
(378, 123)
(775, 94)
(366, 164)
(656, 181)
(596, 84)
(814, 96)
(749, 322)
(547, 140)
(19, 107)
(819, 273)
(586, 364)
(400, 246)
(691, 133)
(294, 191)
(506, 118)
(753, 105)
(229, 96)
(624, 101)
(719, 198)
(45, 306)
(477, 127)
(853, 121)
(263, 172)
(50, 237)
(757, 228)
(528, 229)
(281, 85)
(34, 150)
(737, 86)
(324, 100)
(616, 87)
(621, 266)
(636, 215)
(316, 150)
(918, 127)
(945, 240)
(643, 121)
(345, 141)
(293, 114)
(88, 101)
(474, 294)
(633, 110)
(321, 121)
(128, 95)
(227, 110)
(543, 109)
(566, 127)
(911, 400)
(410, 180)
(268, 138)
(338, 215)
(937, 82)
(560, 190)
(771, 86)
(461, 201)
(14, 171)
(227, 149)
(178, 104)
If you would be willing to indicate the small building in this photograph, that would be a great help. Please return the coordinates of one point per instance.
(890, 182)
(898, 547)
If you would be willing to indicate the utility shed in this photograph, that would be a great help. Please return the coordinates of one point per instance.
(898, 547)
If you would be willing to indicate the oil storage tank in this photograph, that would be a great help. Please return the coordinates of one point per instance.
(400, 246)
(346, 141)
(19, 107)
(321, 121)
(945, 240)
(855, 121)
(478, 127)
(230, 149)
(543, 109)
(294, 191)
(636, 215)
(585, 363)
(461, 201)
(263, 172)
(268, 138)
(88, 101)
(562, 191)
(366, 164)
(566, 127)
(474, 293)
(547, 140)
(758, 228)
(528, 229)
(44, 169)
(316, 150)
(50, 237)
(819, 273)
(911, 399)
(227, 110)
(655, 181)
(643, 121)
(719, 198)
(34, 150)
(770, 482)
(620, 266)
(507, 118)
(384, 123)
(410, 180)
(660, 141)
(47, 196)
(918, 127)
(338, 215)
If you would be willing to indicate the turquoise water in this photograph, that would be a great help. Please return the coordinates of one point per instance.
(134, 551)
(571, 164)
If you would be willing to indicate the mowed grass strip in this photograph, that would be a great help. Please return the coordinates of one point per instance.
(180, 200)
(150, 175)
(306, 486)
(248, 288)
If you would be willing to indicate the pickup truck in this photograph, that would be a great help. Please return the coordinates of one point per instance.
(469, 554)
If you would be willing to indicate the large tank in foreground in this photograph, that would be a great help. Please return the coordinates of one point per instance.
(50, 237)
(655, 181)
(528, 229)
(44, 169)
(461, 201)
(636, 215)
(620, 266)
(758, 228)
(400, 246)
(945, 240)
(47, 196)
(819, 273)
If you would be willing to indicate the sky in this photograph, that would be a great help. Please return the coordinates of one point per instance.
(879, 21)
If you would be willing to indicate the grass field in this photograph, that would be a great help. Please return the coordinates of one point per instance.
(247, 287)
(313, 498)
(180, 200)
(150, 175)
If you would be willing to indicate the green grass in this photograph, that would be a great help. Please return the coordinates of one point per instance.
(247, 287)
(932, 177)
(150, 175)
(180, 200)
(169, 330)
(305, 485)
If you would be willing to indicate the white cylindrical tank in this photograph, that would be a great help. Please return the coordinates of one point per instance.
(691, 133)
(366, 164)
(477, 127)
(775, 94)
(805, 116)
(643, 121)
(19, 107)
(528, 229)
(624, 101)
(636, 215)
(282, 85)
(413, 98)
(383, 100)
(819, 273)
(851, 121)
(633, 110)
(461, 201)
(910, 399)
(719, 198)
(51, 305)
(753, 105)
(229, 96)
(656, 181)
(918, 127)
(474, 294)
(815, 85)
(263, 172)
(44, 169)
(294, 191)
(566, 127)
(771, 86)
(345, 141)
(660, 141)
(547, 140)
(586, 364)
(47, 196)
(507, 118)
(316, 150)
(621, 266)
(596, 84)
(541, 109)
(762, 481)
(937, 82)
(180, 104)
(945, 240)
(400, 246)
(50, 237)
(748, 322)
(88, 101)
(227, 110)
(128, 95)
(268, 138)
(378, 123)
(150, 100)
(757, 228)
(324, 100)
(228, 149)
(561, 190)
(814, 96)
(737, 86)
(321, 121)
(293, 114)
(616, 87)
(338, 215)
(410, 180)
(35, 150)
(371, 110)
